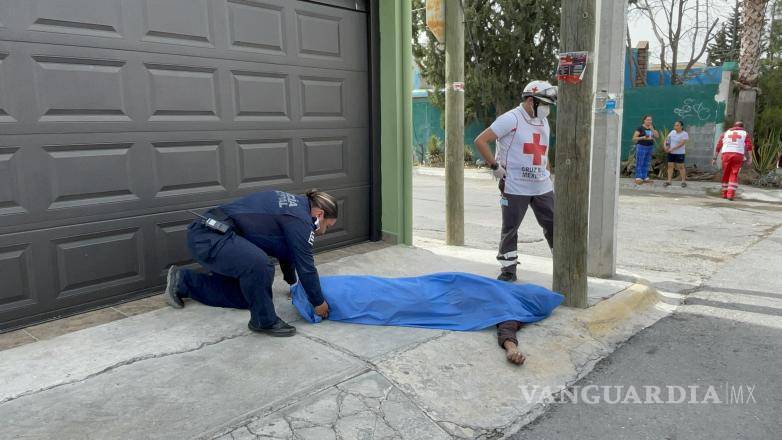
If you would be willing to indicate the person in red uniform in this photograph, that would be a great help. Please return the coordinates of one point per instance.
(735, 145)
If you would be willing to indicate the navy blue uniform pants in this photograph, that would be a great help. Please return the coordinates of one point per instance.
(241, 274)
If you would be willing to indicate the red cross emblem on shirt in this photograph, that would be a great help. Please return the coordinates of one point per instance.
(734, 136)
(536, 149)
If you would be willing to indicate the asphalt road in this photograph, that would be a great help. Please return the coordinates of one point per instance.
(725, 342)
(727, 335)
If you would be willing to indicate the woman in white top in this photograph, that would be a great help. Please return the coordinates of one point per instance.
(674, 146)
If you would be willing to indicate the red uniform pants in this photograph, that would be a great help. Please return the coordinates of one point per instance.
(731, 165)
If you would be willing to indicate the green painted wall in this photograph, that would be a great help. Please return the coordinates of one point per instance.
(695, 105)
(396, 85)
(427, 122)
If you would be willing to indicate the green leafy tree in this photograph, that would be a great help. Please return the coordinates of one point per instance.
(727, 42)
(507, 44)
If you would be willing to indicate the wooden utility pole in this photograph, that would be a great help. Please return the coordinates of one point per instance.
(454, 123)
(574, 124)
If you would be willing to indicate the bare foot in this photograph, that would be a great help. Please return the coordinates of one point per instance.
(513, 354)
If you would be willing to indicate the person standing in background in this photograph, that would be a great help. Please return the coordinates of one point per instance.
(644, 137)
(674, 146)
(735, 145)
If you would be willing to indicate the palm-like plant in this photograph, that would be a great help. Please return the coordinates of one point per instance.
(765, 157)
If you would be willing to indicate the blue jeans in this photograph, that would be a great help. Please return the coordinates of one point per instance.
(643, 158)
(241, 274)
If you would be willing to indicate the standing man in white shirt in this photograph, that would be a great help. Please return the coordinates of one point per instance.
(521, 164)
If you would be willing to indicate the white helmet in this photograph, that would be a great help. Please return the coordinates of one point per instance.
(542, 91)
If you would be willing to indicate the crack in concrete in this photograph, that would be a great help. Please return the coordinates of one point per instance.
(249, 418)
(375, 410)
(121, 364)
(337, 348)
(412, 346)
(417, 406)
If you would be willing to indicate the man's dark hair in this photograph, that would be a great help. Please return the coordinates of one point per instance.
(645, 116)
(324, 201)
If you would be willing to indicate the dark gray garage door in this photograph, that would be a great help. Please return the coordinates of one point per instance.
(117, 116)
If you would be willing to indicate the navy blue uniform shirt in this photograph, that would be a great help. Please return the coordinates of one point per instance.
(280, 224)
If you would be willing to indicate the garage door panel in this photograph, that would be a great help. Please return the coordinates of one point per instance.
(189, 167)
(72, 178)
(329, 36)
(82, 175)
(261, 97)
(264, 31)
(10, 182)
(5, 12)
(256, 27)
(264, 162)
(78, 17)
(182, 93)
(186, 22)
(318, 35)
(16, 276)
(6, 113)
(334, 160)
(93, 90)
(322, 97)
(87, 263)
(79, 90)
(117, 117)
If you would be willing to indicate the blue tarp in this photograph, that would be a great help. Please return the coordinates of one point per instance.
(449, 301)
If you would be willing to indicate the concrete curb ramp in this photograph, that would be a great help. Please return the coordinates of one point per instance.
(198, 373)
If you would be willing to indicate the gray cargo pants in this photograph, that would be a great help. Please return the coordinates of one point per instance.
(513, 209)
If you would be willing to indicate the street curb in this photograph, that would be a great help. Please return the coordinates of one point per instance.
(469, 173)
(701, 189)
(695, 188)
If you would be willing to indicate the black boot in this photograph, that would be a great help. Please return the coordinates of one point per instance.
(172, 288)
(507, 276)
(279, 328)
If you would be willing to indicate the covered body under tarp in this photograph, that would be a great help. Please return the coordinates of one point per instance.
(449, 301)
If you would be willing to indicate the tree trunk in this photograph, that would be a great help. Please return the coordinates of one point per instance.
(749, 65)
(751, 34)
(662, 65)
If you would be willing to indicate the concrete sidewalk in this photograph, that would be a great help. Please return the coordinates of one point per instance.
(198, 372)
(698, 189)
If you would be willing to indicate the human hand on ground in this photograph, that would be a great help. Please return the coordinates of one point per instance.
(515, 357)
(322, 310)
(512, 353)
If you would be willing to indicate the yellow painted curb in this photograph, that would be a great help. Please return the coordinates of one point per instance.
(602, 318)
